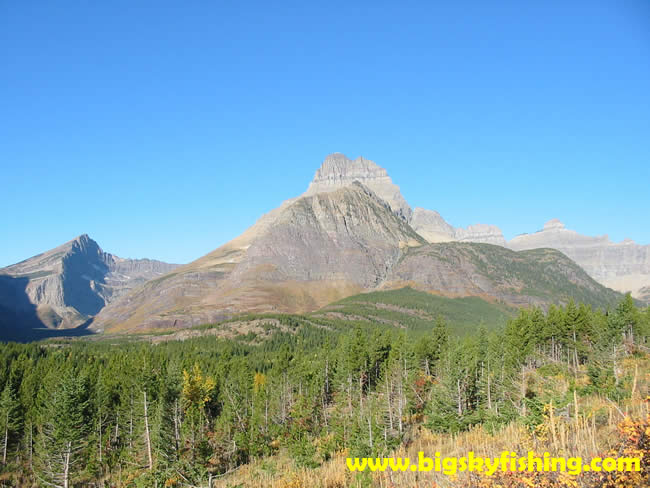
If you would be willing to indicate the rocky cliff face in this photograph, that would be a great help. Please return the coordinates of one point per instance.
(482, 233)
(63, 287)
(623, 266)
(430, 225)
(337, 171)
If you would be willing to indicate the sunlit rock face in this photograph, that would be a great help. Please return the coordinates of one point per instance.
(623, 266)
(337, 171)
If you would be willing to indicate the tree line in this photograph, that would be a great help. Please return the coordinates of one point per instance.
(179, 413)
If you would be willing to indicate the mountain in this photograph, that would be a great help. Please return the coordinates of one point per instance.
(535, 277)
(312, 251)
(337, 171)
(623, 266)
(64, 287)
(430, 225)
(644, 294)
(348, 233)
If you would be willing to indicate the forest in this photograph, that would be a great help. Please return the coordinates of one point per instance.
(284, 407)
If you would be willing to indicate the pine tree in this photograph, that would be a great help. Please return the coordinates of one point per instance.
(440, 336)
(625, 321)
(165, 426)
(10, 420)
(62, 441)
(577, 324)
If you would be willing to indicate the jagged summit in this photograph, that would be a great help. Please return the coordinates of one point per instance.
(338, 171)
(554, 224)
(338, 167)
(63, 287)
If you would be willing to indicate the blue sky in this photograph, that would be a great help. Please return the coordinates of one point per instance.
(164, 129)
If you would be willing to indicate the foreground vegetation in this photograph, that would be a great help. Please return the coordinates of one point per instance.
(284, 405)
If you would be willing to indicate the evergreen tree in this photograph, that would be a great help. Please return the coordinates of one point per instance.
(625, 322)
(165, 437)
(62, 443)
(10, 419)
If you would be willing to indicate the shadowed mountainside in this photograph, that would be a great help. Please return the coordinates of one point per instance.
(66, 286)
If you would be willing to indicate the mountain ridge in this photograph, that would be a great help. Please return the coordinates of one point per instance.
(64, 287)
(351, 231)
(277, 267)
(318, 248)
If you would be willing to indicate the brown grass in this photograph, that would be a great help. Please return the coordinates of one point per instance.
(593, 432)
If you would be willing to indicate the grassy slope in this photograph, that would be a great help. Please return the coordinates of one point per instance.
(405, 308)
(540, 270)
(417, 310)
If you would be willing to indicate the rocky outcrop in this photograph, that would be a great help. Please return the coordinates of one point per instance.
(430, 225)
(623, 266)
(337, 171)
(482, 233)
(65, 286)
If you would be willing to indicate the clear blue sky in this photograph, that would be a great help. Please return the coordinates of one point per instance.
(164, 129)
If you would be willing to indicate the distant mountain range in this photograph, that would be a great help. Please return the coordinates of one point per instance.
(623, 266)
(350, 232)
(66, 286)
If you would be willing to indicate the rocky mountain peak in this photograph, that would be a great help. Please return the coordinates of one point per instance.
(430, 225)
(64, 286)
(338, 167)
(85, 245)
(553, 224)
(338, 171)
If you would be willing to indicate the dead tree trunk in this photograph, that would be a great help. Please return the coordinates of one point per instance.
(147, 436)
(66, 465)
